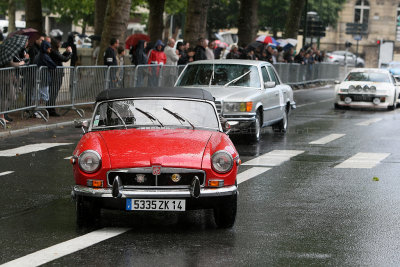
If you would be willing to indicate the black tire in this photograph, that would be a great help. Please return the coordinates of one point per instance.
(337, 106)
(282, 125)
(255, 129)
(87, 211)
(225, 212)
(393, 107)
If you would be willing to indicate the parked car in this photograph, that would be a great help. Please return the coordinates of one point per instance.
(155, 149)
(372, 87)
(342, 56)
(248, 94)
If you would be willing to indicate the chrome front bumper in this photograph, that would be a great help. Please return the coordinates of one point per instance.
(79, 190)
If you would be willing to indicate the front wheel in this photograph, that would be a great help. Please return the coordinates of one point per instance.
(282, 125)
(255, 130)
(87, 211)
(225, 212)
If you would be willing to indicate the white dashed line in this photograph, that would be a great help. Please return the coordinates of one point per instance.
(273, 158)
(57, 251)
(29, 149)
(250, 173)
(326, 139)
(5, 173)
(368, 122)
(363, 161)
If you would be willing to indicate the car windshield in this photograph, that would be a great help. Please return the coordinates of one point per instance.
(230, 75)
(368, 77)
(155, 113)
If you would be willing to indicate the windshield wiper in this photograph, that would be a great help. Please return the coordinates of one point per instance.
(178, 117)
(237, 79)
(118, 115)
(150, 116)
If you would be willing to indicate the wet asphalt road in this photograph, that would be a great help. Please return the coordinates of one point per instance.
(301, 212)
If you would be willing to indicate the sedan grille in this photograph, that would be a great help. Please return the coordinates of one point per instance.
(143, 177)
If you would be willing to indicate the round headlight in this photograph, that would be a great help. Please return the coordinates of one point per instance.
(89, 161)
(222, 161)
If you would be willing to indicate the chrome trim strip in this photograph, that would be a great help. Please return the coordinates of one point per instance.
(270, 108)
(106, 192)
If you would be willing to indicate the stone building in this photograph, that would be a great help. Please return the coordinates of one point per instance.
(383, 20)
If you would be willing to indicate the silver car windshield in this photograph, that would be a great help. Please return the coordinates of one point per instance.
(368, 77)
(151, 113)
(220, 75)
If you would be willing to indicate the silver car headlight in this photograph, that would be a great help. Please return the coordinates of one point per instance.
(238, 106)
(222, 161)
(89, 161)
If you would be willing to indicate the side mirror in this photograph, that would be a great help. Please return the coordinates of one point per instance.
(82, 124)
(269, 84)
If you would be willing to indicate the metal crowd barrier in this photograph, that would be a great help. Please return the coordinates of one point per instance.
(33, 89)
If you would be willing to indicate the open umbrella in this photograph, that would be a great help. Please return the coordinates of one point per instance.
(255, 45)
(32, 34)
(11, 47)
(266, 39)
(133, 39)
(282, 42)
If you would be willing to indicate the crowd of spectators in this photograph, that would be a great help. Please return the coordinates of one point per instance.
(182, 53)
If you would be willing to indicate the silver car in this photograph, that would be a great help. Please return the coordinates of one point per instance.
(342, 56)
(248, 94)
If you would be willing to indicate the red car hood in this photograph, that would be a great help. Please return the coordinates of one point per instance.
(168, 148)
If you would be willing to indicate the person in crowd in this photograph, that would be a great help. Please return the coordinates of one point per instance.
(299, 58)
(183, 59)
(74, 54)
(140, 58)
(132, 54)
(45, 60)
(110, 55)
(156, 56)
(120, 61)
(210, 50)
(270, 55)
(171, 53)
(6, 79)
(279, 56)
(34, 49)
(190, 54)
(233, 53)
(318, 57)
(200, 49)
(95, 54)
(288, 55)
(56, 75)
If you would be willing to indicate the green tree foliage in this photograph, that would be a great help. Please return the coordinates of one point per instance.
(328, 10)
(74, 10)
(222, 14)
(272, 15)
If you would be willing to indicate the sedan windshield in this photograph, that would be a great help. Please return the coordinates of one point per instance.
(155, 113)
(220, 75)
(368, 77)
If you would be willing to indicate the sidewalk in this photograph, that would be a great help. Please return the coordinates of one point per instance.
(21, 125)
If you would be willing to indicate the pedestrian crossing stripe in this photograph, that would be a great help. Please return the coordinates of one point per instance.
(29, 149)
(250, 173)
(368, 122)
(273, 158)
(326, 139)
(363, 161)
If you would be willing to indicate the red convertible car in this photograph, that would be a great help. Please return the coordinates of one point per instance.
(155, 149)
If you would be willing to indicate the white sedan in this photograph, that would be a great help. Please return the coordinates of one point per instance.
(369, 88)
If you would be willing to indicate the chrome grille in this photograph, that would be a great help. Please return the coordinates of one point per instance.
(218, 105)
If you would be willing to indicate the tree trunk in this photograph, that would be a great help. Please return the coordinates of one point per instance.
(99, 14)
(196, 21)
(115, 24)
(293, 18)
(156, 22)
(248, 22)
(33, 15)
(11, 16)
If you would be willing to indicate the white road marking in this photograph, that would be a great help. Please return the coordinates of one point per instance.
(250, 173)
(273, 158)
(363, 161)
(326, 100)
(29, 149)
(57, 251)
(5, 173)
(326, 139)
(368, 122)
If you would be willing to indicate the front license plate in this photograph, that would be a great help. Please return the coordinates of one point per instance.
(156, 204)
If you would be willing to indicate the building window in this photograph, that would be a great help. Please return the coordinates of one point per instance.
(398, 24)
(361, 12)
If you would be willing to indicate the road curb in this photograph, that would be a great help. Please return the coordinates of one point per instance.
(35, 129)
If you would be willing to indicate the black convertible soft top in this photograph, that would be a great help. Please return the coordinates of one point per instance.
(132, 92)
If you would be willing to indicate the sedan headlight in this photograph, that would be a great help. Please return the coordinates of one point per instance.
(222, 161)
(238, 106)
(89, 161)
